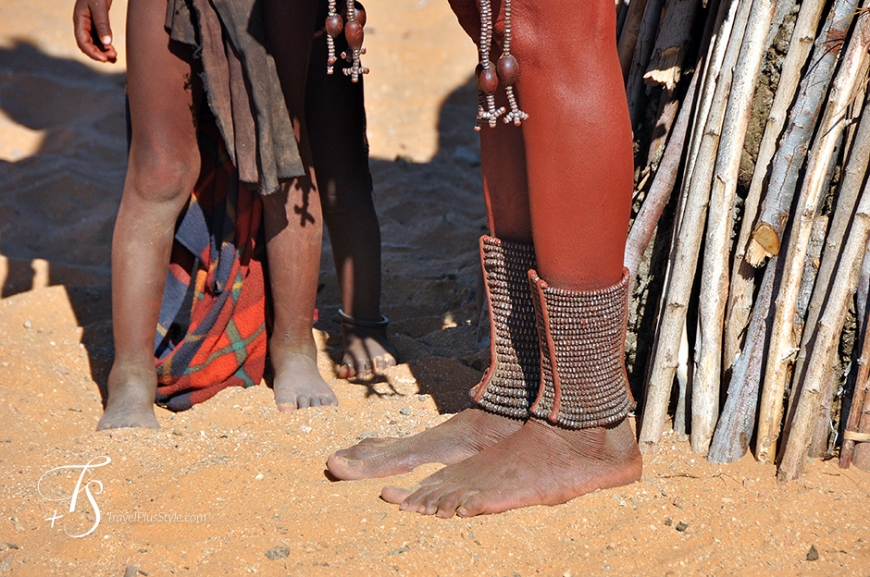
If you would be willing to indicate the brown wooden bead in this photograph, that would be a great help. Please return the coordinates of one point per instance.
(359, 13)
(487, 80)
(334, 25)
(508, 69)
(353, 31)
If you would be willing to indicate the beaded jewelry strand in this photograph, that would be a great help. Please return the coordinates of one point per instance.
(353, 33)
(488, 76)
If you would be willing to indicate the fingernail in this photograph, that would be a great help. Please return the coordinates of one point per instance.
(106, 40)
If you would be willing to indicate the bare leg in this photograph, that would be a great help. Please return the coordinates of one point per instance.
(294, 226)
(580, 192)
(339, 147)
(163, 169)
(506, 195)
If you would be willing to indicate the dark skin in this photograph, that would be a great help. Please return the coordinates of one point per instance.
(165, 94)
(573, 202)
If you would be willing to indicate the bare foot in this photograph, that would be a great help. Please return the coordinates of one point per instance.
(297, 383)
(464, 435)
(130, 400)
(540, 464)
(367, 353)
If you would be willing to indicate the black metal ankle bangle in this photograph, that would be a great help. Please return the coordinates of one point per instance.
(347, 319)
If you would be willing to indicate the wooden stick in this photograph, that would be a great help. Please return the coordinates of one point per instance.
(668, 99)
(789, 159)
(737, 422)
(644, 225)
(717, 245)
(782, 345)
(861, 453)
(621, 15)
(827, 338)
(854, 170)
(743, 275)
(862, 381)
(628, 37)
(666, 63)
(683, 386)
(847, 198)
(720, 31)
(684, 257)
(667, 112)
(635, 89)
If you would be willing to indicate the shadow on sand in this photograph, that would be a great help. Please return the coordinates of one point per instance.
(58, 207)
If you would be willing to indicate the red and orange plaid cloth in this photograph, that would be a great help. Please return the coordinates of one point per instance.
(218, 246)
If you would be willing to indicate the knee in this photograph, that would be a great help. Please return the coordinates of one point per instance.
(345, 194)
(162, 173)
(544, 34)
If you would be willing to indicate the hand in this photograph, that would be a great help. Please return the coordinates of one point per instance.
(92, 30)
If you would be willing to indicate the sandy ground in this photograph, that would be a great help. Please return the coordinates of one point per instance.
(232, 486)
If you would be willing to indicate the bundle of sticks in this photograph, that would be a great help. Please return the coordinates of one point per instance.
(759, 274)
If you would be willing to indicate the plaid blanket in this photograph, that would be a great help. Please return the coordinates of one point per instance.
(219, 339)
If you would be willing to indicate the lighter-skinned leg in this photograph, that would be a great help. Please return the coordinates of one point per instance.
(294, 224)
(162, 171)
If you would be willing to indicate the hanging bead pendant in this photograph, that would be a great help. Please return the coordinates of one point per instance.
(354, 34)
(506, 70)
(351, 24)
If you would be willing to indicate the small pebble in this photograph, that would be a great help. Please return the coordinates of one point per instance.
(669, 521)
(278, 553)
(813, 553)
(28, 325)
(259, 476)
(681, 527)
(305, 428)
(405, 411)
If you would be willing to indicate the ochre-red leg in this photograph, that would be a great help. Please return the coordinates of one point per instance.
(579, 169)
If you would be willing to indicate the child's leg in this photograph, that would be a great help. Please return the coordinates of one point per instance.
(294, 224)
(162, 171)
(336, 114)
(506, 194)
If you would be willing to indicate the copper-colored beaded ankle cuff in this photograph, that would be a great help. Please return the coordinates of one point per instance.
(582, 342)
(511, 382)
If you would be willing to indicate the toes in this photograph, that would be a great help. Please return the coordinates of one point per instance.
(394, 495)
(478, 504)
(422, 501)
(346, 370)
(447, 505)
(303, 402)
(364, 370)
(286, 407)
(383, 362)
